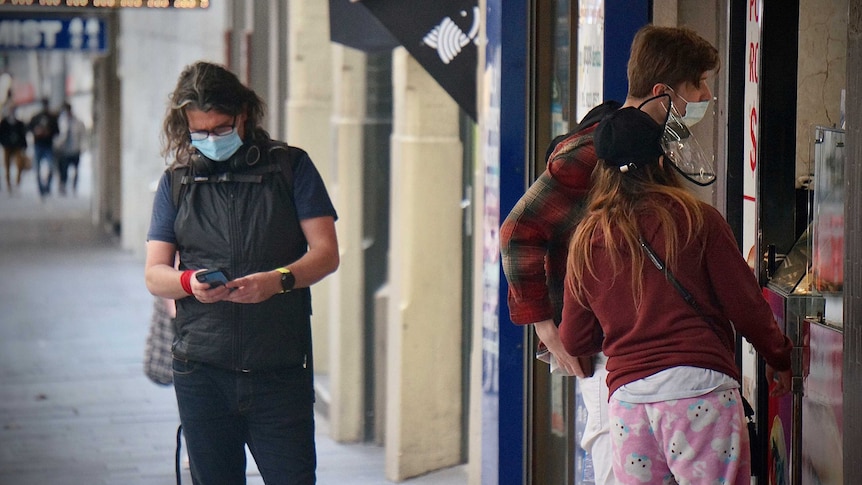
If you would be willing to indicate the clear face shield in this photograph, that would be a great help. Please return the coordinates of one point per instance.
(681, 147)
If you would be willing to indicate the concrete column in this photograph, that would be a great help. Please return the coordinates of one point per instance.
(131, 98)
(346, 384)
(108, 166)
(423, 415)
(309, 107)
(489, 121)
(665, 13)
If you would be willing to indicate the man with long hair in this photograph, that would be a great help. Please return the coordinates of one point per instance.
(254, 228)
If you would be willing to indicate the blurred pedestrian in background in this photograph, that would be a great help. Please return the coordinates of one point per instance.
(67, 146)
(13, 138)
(44, 127)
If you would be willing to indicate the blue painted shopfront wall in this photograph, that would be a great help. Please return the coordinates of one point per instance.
(503, 140)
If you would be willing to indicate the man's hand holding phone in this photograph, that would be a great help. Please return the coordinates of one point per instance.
(252, 288)
(216, 279)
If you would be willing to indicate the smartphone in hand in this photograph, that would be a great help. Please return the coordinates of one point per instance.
(215, 277)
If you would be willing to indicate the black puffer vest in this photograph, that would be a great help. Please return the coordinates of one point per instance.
(243, 221)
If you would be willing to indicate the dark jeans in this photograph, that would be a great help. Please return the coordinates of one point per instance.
(66, 162)
(221, 411)
(44, 155)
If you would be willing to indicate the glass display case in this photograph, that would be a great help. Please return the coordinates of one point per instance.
(806, 297)
(827, 246)
(794, 301)
(791, 292)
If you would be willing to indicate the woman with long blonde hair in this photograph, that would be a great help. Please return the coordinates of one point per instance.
(675, 408)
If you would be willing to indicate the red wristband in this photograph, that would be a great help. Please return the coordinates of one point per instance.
(186, 280)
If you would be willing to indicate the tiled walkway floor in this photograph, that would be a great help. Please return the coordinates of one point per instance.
(75, 407)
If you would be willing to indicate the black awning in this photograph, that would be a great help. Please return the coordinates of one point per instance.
(354, 26)
(441, 35)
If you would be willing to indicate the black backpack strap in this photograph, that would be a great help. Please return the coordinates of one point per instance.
(283, 158)
(178, 174)
(286, 157)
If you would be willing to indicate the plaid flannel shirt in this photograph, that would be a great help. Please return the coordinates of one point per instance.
(534, 237)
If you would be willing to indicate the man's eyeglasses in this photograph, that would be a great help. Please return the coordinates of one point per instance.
(223, 130)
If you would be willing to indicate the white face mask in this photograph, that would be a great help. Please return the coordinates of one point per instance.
(694, 110)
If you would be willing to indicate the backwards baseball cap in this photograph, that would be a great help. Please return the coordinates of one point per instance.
(629, 139)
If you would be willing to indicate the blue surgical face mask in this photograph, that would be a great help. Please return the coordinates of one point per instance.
(219, 148)
(694, 110)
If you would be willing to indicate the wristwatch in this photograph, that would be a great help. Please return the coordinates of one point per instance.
(287, 279)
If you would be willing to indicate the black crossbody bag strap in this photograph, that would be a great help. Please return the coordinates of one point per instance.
(657, 261)
(685, 294)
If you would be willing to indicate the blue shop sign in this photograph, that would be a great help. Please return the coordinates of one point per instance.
(74, 34)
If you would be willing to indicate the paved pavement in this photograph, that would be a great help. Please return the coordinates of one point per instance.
(75, 406)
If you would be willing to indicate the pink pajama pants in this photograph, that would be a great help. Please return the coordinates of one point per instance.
(699, 440)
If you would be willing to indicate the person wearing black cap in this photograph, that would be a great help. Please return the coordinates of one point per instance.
(654, 280)
(534, 236)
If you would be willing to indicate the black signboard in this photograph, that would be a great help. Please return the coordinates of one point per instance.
(441, 35)
(353, 25)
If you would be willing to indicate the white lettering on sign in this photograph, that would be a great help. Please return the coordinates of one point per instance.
(752, 129)
(79, 30)
(751, 138)
(76, 34)
(93, 30)
(29, 33)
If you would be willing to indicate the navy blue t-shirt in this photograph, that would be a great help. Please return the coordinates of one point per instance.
(309, 193)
